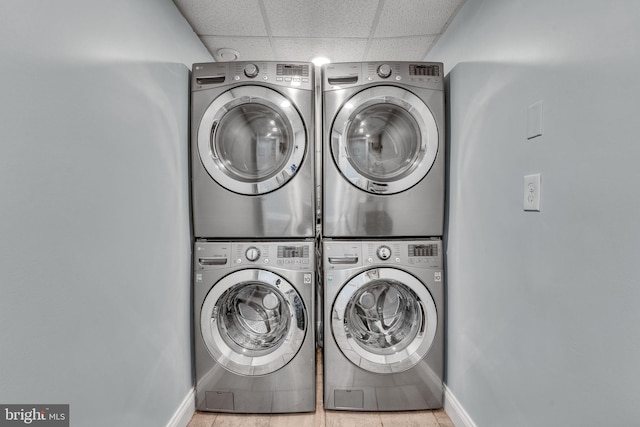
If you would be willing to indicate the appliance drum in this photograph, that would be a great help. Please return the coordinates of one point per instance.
(253, 322)
(384, 320)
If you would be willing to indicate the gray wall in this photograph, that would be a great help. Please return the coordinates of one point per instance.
(94, 214)
(542, 307)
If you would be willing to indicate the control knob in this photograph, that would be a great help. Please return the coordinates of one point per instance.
(252, 253)
(384, 71)
(384, 253)
(251, 70)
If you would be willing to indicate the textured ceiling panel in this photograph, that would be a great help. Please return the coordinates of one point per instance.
(223, 17)
(314, 18)
(400, 48)
(338, 50)
(250, 48)
(414, 17)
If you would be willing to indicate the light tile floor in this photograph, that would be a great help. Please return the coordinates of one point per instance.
(322, 418)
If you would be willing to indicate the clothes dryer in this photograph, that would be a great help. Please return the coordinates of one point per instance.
(252, 150)
(254, 326)
(383, 332)
(384, 156)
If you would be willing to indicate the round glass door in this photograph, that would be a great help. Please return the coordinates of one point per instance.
(384, 140)
(384, 320)
(253, 322)
(251, 140)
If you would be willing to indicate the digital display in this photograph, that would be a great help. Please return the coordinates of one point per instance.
(424, 70)
(423, 250)
(293, 251)
(292, 70)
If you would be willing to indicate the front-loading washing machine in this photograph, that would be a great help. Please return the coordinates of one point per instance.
(252, 150)
(383, 332)
(384, 149)
(254, 326)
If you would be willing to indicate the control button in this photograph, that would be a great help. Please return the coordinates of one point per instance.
(383, 252)
(397, 259)
(369, 78)
(265, 77)
(398, 78)
(305, 80)
(239, 261)
(287, 79)
(369, 260)
(279, 79)
(236, 78)
(252, 253)
(251, 70)
(266, 260)
(384, 71)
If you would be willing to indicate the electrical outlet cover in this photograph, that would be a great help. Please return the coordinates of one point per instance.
(532, 193)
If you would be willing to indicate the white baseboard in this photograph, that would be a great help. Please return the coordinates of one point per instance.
(185, 411)
(455, 411)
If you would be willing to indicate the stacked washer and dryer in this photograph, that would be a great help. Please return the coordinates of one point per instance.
(382, 226)
(254, 216)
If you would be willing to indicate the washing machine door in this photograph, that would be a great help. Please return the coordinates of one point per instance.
(384, 320)
(384, 140)
(251, 140)
(253, 322)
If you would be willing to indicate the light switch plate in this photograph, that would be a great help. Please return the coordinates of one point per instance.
(534, 120)
(532, 193)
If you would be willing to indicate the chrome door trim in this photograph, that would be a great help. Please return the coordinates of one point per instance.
(246, 95)
(247, 364)
(411, 104)
(402, 359)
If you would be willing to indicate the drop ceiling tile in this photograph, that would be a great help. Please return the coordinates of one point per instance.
(304, 49)
(400, 48)
(326, 18)
(224, 17)
(398, 17)
(250, 48)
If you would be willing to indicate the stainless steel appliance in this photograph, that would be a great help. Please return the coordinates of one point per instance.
(383, 332)
(254, 326)
(383, 143)
(252, 150)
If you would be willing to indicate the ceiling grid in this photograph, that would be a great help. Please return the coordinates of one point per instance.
(267, 26)
(374, 25)
(298, 30)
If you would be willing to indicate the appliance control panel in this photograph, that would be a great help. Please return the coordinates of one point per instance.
(348, 254)
(429, 75)
(215, 255)
(287, 74)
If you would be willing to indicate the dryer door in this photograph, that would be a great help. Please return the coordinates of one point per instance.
(384, 320)
(251, 140)
(384, 140)
(253, 322)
